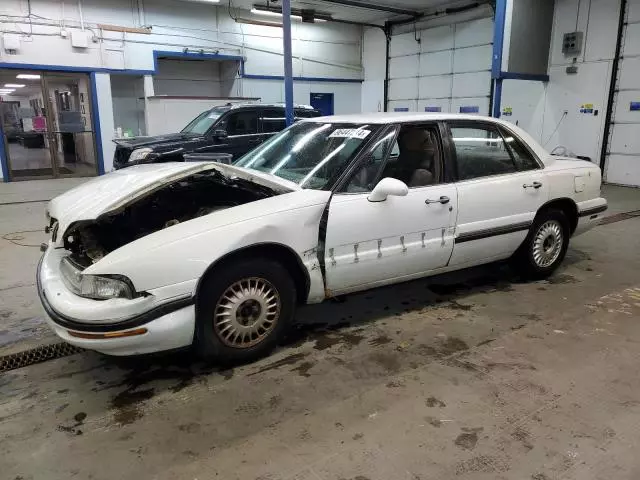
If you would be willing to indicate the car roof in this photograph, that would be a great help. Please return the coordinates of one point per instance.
(398, 117)
(266, 105)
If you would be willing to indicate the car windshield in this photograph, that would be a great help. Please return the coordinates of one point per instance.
(204, 121)
(310, 154)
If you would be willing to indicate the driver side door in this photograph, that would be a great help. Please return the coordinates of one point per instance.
(403, 237)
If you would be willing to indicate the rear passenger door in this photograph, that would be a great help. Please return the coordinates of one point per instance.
(500, 187)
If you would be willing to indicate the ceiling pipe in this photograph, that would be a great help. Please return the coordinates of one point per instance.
(439, 13)
(373, 6)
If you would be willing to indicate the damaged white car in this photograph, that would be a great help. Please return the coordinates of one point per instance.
(159, 257)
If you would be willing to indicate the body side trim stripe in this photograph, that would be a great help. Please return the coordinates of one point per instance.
(492, 232)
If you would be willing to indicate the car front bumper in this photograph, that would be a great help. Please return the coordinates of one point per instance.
(162, 320)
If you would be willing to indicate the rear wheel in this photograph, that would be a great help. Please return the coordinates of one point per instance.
(546, 245)
(244, 309)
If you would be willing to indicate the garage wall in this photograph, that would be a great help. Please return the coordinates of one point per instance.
(551, 112)
(623, 160)
(446, 67)
(323, 50)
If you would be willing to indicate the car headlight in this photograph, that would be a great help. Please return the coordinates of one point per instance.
(98, 287)
(139, 154)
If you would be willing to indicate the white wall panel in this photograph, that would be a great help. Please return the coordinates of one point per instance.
(436, 63)
(632, 40)
(626, 139)
(602, 30)
(527, 102)
(372, 96)
(435, 87)
(623, 170)
(472, 59)
(471, 84)
(623, 112)
(403, 88)
(436, 39)
(404, 44)
(633, 11)
(403, 67)
(476, 32)
(629, 73)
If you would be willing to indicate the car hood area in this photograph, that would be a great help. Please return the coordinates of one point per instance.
(117, 189)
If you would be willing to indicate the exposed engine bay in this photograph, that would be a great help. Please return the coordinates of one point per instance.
(178, 202)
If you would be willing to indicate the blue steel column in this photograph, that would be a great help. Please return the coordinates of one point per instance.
(498, 46)
(288, 68)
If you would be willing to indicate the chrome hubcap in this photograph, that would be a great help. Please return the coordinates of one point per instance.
(246, 312)
(547, 244)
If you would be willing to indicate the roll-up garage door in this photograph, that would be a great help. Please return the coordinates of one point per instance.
(623, 152)
(446, 68)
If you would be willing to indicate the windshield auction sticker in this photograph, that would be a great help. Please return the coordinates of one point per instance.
(350, 133)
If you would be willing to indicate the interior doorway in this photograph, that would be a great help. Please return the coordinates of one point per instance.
(46, 122)
(322, 102)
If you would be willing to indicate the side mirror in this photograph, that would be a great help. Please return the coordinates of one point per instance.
(388, 186)
(220, 134)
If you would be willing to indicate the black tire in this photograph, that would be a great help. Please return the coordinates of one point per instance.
(212, 337)
(528, 260)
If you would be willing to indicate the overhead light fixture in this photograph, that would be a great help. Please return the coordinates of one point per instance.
(6, 92)
(14, 85)
(306, 15)
(28, 76)
(271, 13)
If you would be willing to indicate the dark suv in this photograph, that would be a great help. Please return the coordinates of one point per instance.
(232, 129)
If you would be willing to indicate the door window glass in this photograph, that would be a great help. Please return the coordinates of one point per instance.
(273, 120)
(414, 159)
(242, 123)
(523, 158)
(481, 152)
(366, 176)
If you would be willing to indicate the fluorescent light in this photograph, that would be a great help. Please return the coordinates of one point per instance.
(28, 76)
(5, 91)
(13, 85)
(270, 13)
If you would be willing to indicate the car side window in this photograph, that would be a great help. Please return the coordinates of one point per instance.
(414, 158)
(242, 123)
(481, 152)
(273, 120)
(523, 158)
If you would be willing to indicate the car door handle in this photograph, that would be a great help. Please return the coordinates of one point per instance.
(443, 200)
(535, 185)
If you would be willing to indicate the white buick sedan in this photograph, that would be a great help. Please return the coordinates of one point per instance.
(159, 257)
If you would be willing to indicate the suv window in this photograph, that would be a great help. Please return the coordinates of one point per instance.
(242, 123)
(481, 152)
(273, 120)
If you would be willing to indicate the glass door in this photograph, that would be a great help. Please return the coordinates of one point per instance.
(70, 131)
(47, 124)
(23, 114)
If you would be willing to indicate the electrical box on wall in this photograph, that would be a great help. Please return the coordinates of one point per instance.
(572, 43)
(80, 38)
(11, 42)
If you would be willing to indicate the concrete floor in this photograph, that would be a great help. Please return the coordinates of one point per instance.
(474, 375)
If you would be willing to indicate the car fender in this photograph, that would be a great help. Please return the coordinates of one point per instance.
(182, 253)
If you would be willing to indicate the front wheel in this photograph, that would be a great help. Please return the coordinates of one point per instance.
(545, 247)
(244, 309)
